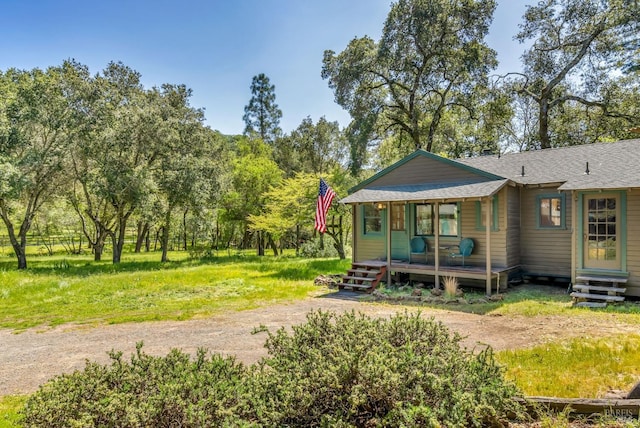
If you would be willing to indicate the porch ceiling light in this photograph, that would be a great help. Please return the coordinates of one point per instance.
(380, 206)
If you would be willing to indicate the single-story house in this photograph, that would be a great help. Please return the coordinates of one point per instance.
(571, 212)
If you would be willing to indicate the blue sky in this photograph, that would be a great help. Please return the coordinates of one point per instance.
(215, 47)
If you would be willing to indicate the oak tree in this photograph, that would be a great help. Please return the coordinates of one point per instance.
(579, 49)
(431, 58)
(36, 122)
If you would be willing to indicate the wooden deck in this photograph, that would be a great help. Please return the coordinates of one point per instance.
(498, 274)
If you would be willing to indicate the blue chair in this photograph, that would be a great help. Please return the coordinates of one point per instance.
(465, 248)
(418, 246)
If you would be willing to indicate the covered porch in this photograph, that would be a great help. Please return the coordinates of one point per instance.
(366, 275)
(498, 276)
(440, 233)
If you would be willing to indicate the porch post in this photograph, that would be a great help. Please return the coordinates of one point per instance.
(488, 217)
(436, 244)
(354, 232)
(389, 244)
(574, 237)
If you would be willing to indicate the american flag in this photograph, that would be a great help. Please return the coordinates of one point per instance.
(325, 196)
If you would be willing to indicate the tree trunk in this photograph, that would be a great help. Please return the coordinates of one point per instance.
(338, 237)
(21, 256)
(339, 245)
(98, 247)
(165, 236)
(156, 239)
(260, 243)
(543, 129)
(143, 233)
(19, 243)
(118, 243)
(147, 241)
(297, 240)
(184, 229)
(246, 239)
(273, 245)
(216, 237)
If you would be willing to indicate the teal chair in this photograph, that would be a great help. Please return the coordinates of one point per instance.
(419, 247)
(465, 248)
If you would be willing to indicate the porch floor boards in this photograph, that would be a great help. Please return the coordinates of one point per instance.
(430, 269)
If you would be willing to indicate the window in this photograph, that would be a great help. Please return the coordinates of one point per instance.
(550, 210)
(397, 217)
(448, 219)
(424, 219)
(372, 219)
(481, 215)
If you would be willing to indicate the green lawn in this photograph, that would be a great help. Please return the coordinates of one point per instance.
(582, 367)
(9, 407)
(74, 289)
(56, 290)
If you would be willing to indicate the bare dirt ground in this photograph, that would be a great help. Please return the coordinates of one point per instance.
(30, 358)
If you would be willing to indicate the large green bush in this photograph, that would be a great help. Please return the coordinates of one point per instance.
(334, 370)
(145, 392)
(405, 371)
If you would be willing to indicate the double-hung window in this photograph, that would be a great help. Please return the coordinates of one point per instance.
(372, 219)
(447, 218)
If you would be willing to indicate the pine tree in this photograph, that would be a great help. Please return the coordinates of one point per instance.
(262, 115)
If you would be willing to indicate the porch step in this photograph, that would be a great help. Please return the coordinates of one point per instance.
(587, 288)
(592, 289)
(363, 271)
(358, 278)
(590, 296)
(364, 276)
(365, 287)
(612, 279)
(590, 304)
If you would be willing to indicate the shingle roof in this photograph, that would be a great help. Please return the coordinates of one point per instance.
(428, 191)
(611, 166)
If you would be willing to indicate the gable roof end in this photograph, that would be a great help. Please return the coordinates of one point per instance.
(428, 155)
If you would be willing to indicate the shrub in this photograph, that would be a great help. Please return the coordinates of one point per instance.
(358, 371)
(149, 391)
(313, 249)
(334, 370)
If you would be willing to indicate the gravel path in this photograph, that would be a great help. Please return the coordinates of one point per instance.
(29, 358)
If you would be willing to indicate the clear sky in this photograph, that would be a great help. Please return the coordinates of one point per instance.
(215, 47)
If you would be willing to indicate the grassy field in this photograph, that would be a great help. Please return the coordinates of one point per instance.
(9, 407)
(528, 301)
(56, 290)
(75, 289)
(575, 368)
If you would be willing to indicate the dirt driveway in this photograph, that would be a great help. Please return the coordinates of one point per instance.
(30, 358)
